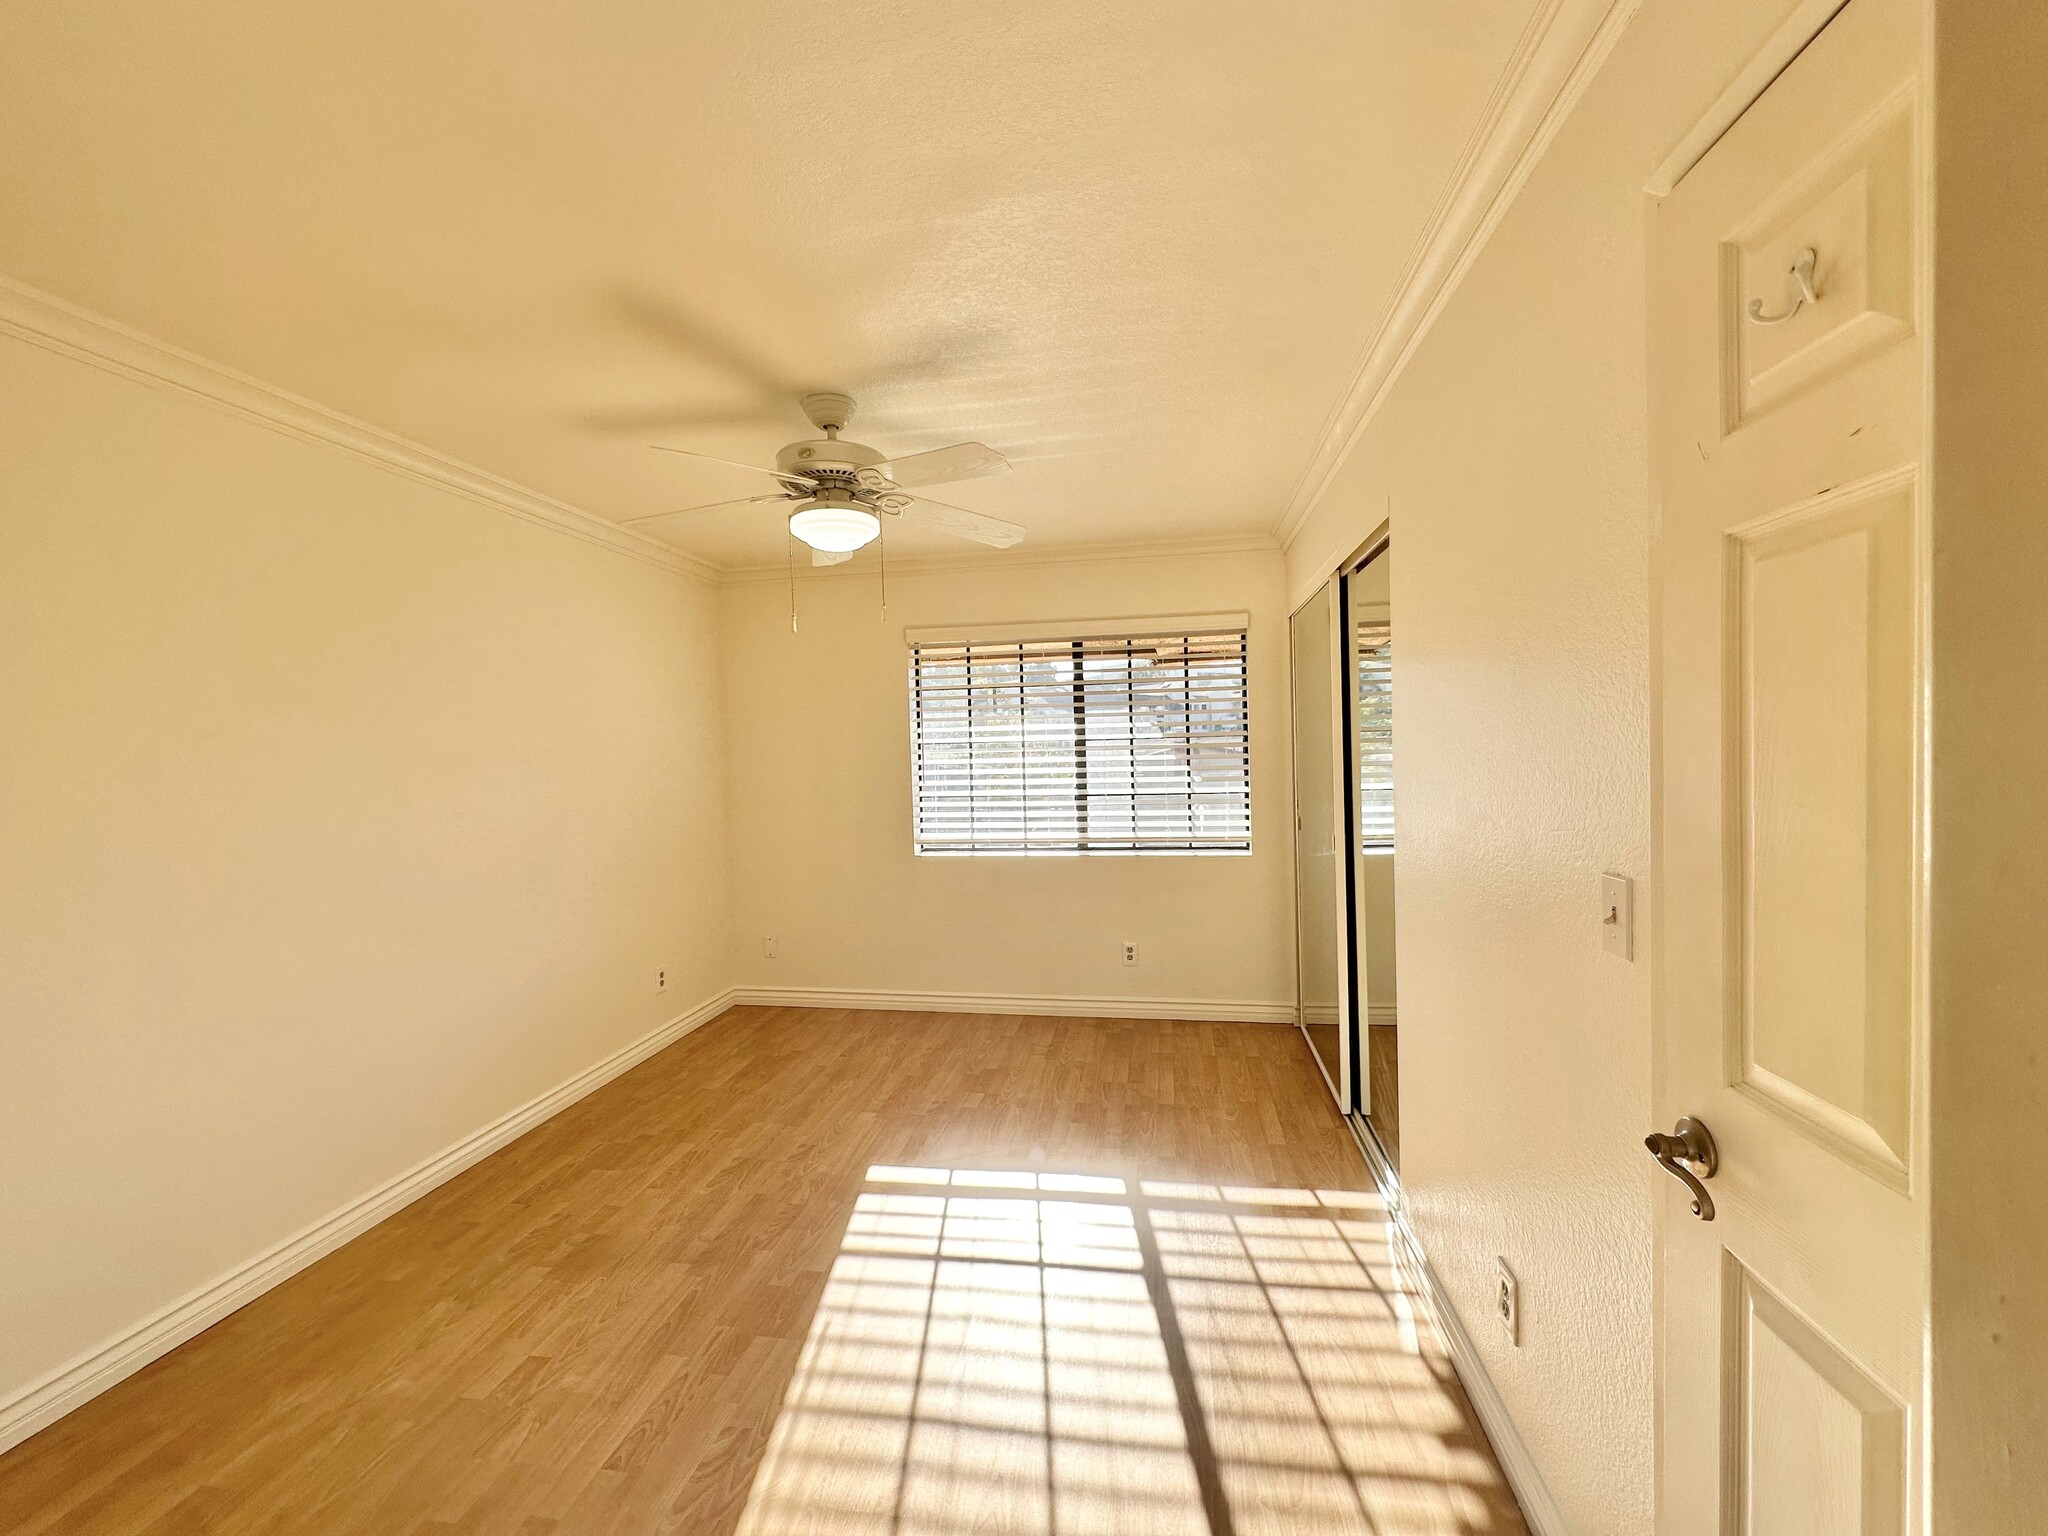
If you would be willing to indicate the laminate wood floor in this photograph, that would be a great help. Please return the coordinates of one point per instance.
(818, 1273)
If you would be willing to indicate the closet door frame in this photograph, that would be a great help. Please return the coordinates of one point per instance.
(1329, 777)
(1359, 964)
(1339, 775)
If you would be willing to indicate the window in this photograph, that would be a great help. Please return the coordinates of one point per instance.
(1375, 641)
(1132, 745)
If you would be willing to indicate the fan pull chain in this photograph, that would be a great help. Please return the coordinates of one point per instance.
(882, 548)
(790, 552)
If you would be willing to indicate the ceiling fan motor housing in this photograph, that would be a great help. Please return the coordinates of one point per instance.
(830, 460)
(838, 490)
(826, 456)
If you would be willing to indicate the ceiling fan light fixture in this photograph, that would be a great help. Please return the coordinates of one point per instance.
(836, 527)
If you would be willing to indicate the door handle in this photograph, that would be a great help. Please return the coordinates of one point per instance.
(1688, 1154)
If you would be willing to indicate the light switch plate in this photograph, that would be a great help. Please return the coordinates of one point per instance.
(1617, 916)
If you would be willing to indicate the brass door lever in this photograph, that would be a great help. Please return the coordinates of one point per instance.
(1688, 1154)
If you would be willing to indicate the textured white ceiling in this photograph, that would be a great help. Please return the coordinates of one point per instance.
(1138, 247)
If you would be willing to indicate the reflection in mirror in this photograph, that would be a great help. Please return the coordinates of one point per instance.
(1368, 594)
(1318, 834)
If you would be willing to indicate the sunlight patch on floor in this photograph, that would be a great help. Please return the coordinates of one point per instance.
(1076, 1354)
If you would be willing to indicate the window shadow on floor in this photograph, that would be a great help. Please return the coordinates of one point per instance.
(1064, 1354)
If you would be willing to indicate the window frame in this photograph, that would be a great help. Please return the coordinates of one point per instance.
(1104, 699)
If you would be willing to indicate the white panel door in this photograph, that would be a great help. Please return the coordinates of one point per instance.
(1785, 304)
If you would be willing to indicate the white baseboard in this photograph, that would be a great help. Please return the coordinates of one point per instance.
(45, 1401)
(1193, 1009)
(1381, 1016)
(1539, 1507)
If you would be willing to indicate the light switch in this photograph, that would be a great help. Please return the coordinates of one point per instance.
(1617, 916)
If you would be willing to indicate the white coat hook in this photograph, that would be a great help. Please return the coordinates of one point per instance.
(1798, 291)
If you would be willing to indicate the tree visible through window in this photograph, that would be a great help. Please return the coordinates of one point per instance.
(1128, 746)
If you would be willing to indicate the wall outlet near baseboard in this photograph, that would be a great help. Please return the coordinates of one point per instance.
(661, 981)
(1507, 1301)
(1130, 951)
(770, 948)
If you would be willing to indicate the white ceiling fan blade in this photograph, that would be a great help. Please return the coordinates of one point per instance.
(962, 461)
(691, 453)
(961, 523)
(710, 506)
(831, 556)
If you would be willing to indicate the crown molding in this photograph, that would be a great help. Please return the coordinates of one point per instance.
(1554, 60)
(1009, 559)
(47, 321)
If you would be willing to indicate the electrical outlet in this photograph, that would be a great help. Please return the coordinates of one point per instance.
(1130, 951)
(1507, 1301)
(770, 948)
(661, 981)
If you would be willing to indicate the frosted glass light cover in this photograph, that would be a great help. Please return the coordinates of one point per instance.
(835, 528)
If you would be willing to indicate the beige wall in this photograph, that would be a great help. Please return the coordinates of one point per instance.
(1989, 1076)
(339, 816)
(1514, 451)
(820, 774)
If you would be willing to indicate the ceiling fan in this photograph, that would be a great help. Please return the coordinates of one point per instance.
(839, 491)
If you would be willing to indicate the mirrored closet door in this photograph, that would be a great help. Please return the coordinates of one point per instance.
(1342, 655)
(1369, 688)
(1321, 875)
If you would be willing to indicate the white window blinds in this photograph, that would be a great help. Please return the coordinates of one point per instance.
(1048, 746)
(1375, 662)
